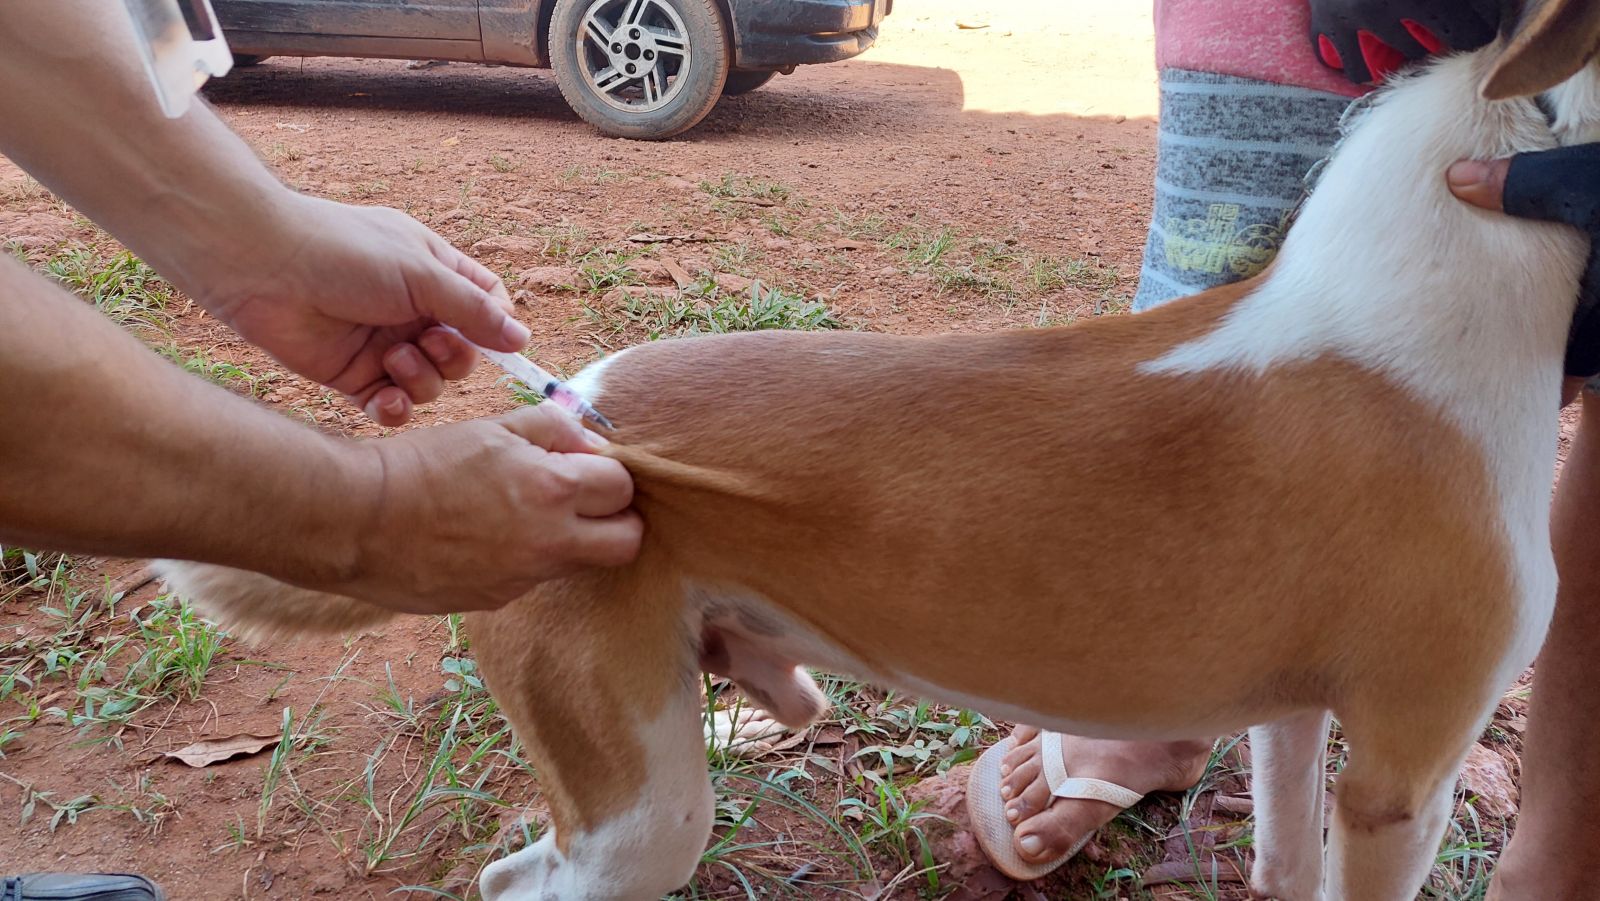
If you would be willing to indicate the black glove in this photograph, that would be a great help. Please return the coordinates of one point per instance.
(1369, 39)
(1563, 185)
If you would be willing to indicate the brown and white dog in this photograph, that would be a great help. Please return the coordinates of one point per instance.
(1329, 486)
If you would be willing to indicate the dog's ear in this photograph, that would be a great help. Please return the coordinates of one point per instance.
(1551, 41)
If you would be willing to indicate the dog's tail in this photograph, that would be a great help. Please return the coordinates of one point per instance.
(256, 607)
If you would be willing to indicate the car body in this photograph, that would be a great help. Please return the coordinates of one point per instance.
(761, 36)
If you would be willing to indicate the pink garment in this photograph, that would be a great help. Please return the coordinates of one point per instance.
(1268, 40)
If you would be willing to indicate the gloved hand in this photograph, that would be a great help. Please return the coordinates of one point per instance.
(1369, 39)
(1561, 185)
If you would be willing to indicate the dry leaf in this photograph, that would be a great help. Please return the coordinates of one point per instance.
(652, 238)
(205, 753)
(677, 272)
(1205, 869)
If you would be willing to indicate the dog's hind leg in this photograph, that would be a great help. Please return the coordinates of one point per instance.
(1288, 785)
(597, 675)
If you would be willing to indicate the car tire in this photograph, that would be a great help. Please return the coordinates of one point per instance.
(246, 60)
(745, 82)
(685, 43)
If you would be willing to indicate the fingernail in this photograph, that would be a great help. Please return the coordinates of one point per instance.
(440, 348)
(403, 363)
(1005, 769)
(595, 439)
(1030, 844)
(515, 332)
(1467, 173)
(394, 406)
(1013, 814)
(1007, 791)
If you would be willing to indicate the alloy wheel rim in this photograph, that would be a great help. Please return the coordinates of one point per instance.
(634, 54)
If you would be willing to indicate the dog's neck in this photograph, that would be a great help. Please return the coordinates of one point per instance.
(1468, 310)
(1386, 267)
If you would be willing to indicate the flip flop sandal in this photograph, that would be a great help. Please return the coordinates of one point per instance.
(987, 810)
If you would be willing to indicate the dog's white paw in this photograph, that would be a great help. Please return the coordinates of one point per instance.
(742, 731)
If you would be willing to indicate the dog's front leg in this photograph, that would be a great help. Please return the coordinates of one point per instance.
(1287, 757)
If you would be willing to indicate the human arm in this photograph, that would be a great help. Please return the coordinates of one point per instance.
(345, 295)
(105, 448)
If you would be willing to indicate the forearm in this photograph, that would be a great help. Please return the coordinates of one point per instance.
(77, 113)
(105, 448)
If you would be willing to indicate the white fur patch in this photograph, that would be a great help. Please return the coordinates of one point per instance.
(590, 381)
(644, 853)
(1467, 310)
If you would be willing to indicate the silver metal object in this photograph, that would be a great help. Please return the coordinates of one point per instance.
(181, 46)
(634, 53)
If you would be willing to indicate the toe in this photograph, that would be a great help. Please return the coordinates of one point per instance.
(1021, 790)
(1054, 831)
(1020, 753)
(1032, 799)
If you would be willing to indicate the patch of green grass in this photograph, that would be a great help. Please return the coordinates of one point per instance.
(602, 270)
(24, 570)
(28, 189)
(563, 241)
(298, 740)
(736, 257)
(1046, 273)
(923, 249)
(915, 738)
(764, 867)
(780, 225)
(750, 187)
(445, 807)
(167, 656)
(1109, 884)
(122, 287)
(705, 310)
(888, 822)
(221, 372)
(1465, 863)
(576, 172)
(872, 227)
(97, 665)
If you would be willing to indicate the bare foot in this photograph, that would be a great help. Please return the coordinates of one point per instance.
(1045, 831)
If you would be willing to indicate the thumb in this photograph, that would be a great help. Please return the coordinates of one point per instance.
(1479, 183)
(452, 298)
(552, 428)
(1561, 185)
